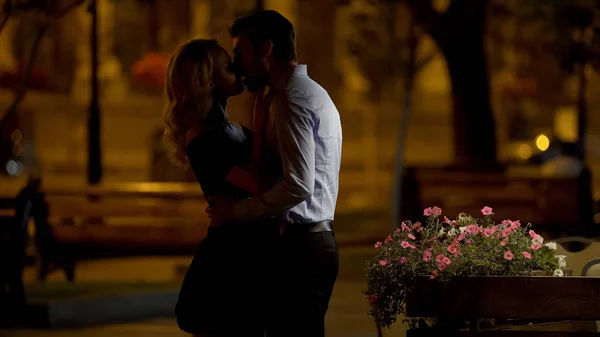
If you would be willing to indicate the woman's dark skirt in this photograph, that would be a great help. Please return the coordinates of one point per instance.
(226, 289)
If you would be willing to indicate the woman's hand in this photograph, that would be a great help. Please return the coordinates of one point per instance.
(220, 212)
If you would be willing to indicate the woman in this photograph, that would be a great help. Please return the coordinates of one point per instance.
(224, 290)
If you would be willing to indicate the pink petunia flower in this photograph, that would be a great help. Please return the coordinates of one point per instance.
(388, 239)
(379, 244)
(487, 232)
(402, 259)
(412, 237)
(504, 242)
(515, 224)
(427, 255)
(468, 242)
(427, 211)
(449, 222)
(397, 231)
(416, 225)
(461, 236)
(384, 262)
(453, 249)
(532, 234)
(436, 211)
(473, 229)
(508, 255)
(405, 228)
(487, 211)
(527, 255)
(536, 246)
(434, 274)
(406, 244)
(420, 230)
(442, 261)
(506, 232)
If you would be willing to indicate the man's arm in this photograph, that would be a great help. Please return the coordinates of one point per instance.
(297, 149)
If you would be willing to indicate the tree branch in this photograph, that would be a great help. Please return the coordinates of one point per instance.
(4, 20)
(426, 16)
(21, 89)
(420, 64)
(68, 8)
(6, 9)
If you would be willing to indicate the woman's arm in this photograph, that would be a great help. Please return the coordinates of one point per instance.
(243, 179)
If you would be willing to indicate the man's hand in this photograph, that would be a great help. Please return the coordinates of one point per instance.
(221, 211)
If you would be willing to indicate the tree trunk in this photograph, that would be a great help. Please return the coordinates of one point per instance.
(461, 40)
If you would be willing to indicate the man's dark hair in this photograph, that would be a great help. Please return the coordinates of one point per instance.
(266, 25)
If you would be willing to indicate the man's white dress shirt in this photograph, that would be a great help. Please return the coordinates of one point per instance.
(305, 131)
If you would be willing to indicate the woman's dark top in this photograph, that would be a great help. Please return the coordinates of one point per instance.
(214, 153)
(229, 274)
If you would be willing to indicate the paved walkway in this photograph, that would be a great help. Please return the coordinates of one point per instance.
(347, 315)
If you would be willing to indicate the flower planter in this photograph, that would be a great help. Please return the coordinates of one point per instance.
(568, 272)
(442, 249)
(529, 298)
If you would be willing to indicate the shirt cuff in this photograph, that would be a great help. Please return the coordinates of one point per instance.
(241, 211)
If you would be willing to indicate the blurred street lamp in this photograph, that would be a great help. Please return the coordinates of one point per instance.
(542, 142)
(94, 151)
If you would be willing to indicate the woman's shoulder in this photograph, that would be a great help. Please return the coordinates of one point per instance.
(195, 137)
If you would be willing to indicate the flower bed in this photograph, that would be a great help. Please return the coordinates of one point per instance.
(442, 249)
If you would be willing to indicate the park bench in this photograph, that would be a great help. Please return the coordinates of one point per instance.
(555, 206)
(14, 219)
(136, 219)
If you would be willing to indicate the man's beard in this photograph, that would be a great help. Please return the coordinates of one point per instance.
(254, 84)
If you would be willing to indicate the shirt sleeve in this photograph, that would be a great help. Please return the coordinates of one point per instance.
(294, 131)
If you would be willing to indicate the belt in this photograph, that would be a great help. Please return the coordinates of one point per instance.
(315, 227)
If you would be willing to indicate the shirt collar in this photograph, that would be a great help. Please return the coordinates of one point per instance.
(299, 69)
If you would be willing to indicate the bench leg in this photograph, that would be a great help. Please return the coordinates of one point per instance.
(43, 269)
(69, 268)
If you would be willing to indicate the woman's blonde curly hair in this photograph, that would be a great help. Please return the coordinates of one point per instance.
(189, 89)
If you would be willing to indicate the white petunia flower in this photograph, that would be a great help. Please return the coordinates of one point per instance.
(442, 232)
(551, 245)
(562, 263)
(539, 239)
(452, 232)
(462, 229)
(558, 272)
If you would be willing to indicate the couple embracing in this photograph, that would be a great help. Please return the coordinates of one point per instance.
(269, 262)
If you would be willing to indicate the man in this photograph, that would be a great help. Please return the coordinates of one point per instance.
(305, 130)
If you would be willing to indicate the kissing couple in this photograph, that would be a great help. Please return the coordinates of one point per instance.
(269, 261)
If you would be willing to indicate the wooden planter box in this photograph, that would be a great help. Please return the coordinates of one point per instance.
(508, 299)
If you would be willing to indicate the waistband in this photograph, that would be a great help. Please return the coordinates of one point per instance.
(315, 227)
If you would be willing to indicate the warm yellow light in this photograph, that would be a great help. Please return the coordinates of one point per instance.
(16, 136)
(565, 124)
(524, 151)
(542, 142)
